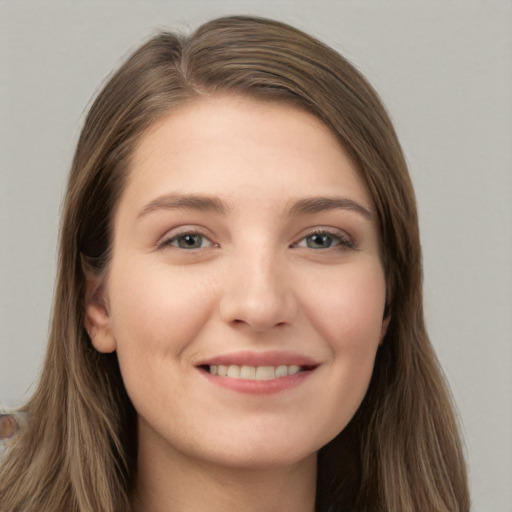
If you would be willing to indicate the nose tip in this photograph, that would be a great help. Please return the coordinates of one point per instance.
(260, 298)
(260, 316)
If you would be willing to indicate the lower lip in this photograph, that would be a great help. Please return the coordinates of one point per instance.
(258, 387)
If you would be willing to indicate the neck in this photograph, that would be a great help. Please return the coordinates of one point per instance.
(181, 484)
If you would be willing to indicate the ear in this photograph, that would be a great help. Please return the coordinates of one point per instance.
(384, 328)
(386, 317)
(97, 315)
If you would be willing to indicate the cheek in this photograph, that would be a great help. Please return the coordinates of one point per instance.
(349, 316)
(348, 311)
(152, 298)
(155, 314)
(351, 322)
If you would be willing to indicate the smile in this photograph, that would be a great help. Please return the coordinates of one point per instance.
(253, 372)
(259, 373)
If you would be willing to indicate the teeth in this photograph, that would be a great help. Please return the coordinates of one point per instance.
(265, 373)
(293, 369)
(282, 371)
(247, 372)
(254, 372)
(234, 372)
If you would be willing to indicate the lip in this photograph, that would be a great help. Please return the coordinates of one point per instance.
(267, 358)
(258, 387)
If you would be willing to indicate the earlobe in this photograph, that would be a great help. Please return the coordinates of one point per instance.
(97, 324)
(97, 315)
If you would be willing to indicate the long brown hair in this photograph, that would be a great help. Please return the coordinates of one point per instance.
(401, 452)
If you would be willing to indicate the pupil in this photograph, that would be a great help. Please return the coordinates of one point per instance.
(191, 240)
(320, 241)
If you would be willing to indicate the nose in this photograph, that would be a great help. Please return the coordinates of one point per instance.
(258, 293)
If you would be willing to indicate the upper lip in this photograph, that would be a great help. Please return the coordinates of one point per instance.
(267, 358)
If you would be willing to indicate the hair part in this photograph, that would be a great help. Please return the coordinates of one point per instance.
(401, 452)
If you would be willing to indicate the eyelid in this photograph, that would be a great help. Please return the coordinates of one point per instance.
(346, 241)
(173, 234)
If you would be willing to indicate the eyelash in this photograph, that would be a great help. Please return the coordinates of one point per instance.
(166, 242)
(340, 241)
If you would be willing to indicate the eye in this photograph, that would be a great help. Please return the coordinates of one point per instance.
(187, 240)
(325, 240)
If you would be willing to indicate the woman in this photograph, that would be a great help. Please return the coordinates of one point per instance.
(238, 314)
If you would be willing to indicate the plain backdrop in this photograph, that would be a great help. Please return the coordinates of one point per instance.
(443, 68)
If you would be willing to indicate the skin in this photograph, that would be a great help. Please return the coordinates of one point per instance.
(258, 281)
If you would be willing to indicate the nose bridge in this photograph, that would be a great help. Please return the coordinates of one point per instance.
(257, 290)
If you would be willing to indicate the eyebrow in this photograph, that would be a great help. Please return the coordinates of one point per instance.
(295, 208)
(185, 201)
(320, 204)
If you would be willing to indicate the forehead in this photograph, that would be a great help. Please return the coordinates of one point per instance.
(224, 144)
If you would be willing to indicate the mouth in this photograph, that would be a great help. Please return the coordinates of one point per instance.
(256, 373)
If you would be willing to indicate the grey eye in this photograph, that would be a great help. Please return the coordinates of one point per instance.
(189, 241)
(321, 241)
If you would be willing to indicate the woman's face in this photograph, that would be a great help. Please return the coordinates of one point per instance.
(245, 294)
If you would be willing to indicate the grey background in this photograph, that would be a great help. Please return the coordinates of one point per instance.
(444, 71)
